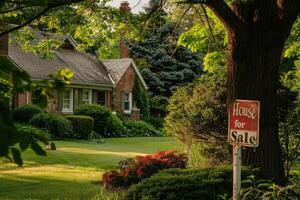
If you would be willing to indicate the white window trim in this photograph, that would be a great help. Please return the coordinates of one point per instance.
(90, 95)
(130, 103)
(70, 110)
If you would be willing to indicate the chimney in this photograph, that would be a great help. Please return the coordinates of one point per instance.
(4, 45)
(124, 50)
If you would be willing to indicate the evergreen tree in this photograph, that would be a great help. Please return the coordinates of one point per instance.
(164, 65)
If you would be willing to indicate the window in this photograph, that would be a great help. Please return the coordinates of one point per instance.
(67, 100)
(86, 96)
(127, 102)
(101, 97)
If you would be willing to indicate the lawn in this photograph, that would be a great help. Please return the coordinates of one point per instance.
(74, 170)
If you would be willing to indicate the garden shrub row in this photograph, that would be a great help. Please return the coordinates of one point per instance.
(82, 126)
(24, 113)
(187, 184)
(87, 119)
(134, 170)
(56, 125)
(141, 128)
(108, 124)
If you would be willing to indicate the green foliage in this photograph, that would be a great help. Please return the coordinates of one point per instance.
(197, 112)
(99, 113)
(172, 184)
(200, 39)
(9, 136)
(57, 125)
(31, 137)
(6, 88)
(289, 131)
(164, 65)
(157, 122)
(82, 126)
(24, 113)
(115, 127)
(264, 189)
(141, 129)
(140, 99)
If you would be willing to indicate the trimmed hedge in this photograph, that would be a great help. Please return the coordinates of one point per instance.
(186, 184)
(141, 129)
(56, 125)
(24, 113)
(99, 113)
(82, 126)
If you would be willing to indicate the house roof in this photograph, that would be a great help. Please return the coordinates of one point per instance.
(87, 69)
(118, 67)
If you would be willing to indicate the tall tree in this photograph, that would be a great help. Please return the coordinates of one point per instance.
(164, 65)
(257, 31)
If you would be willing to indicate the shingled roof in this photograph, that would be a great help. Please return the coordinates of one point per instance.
(118, 67)
(87, 69)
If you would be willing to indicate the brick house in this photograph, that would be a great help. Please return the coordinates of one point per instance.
(109, 83)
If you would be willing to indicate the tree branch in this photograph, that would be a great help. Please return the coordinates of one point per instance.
(230, 20)
(50, 6)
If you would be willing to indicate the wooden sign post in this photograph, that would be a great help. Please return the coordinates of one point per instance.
(243, 130)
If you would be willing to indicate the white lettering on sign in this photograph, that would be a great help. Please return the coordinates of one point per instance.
(243, 111)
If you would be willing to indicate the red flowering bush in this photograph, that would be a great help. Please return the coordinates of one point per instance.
(143, 167)
(113, 179)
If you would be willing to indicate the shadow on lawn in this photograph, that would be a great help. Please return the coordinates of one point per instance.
(18, 187)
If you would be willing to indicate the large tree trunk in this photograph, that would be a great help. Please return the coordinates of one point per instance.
(254, 58)
(257, 31)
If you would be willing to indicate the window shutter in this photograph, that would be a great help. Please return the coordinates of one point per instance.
(122, 101)
(76, 103)
(80, 96)
(94, 96)
(60, 99)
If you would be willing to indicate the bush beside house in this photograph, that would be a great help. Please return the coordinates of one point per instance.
(141, 129)
(99, 113)
(82, 126)
(24, 113)
(56, 125)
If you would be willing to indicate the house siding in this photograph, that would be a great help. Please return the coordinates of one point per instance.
(125, 84)
(23, 99)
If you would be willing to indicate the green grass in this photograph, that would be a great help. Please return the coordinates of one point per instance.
(74, 170)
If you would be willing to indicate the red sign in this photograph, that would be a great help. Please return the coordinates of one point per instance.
(243, 123)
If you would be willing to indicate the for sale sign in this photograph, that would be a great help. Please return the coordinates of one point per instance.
(243, 123)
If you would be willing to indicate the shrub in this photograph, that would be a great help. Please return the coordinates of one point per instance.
(57, 125)
(99, 113)
(141, 128)
(141, 167)
(30, 138)
(115, 127)
(82, 126)
(157, 122)
(24, 113)
(181, 184)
